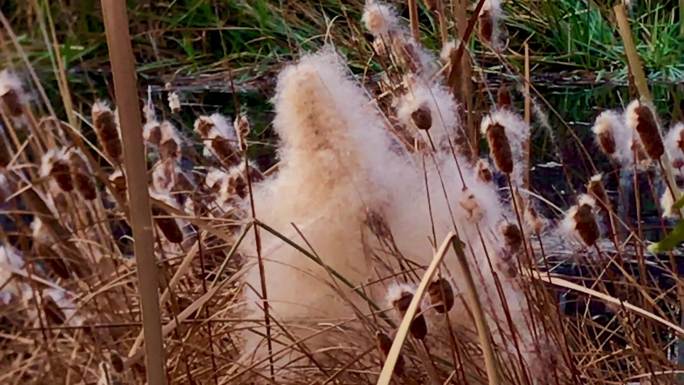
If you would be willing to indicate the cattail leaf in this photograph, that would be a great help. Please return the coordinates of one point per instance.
(673, 239)
(679, 204)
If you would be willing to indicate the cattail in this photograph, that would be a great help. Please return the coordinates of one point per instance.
(168, 226)
(448, 49)
(380, 19)
(203, 125)
(11, 93)
(471, 205)
(224, 150)
(384, 343)
(152, 132)
(499, 147)
(512, 237)
(674, 145)
(596, 190)
(107, 130)
(55, 166)
(580, 218)
(503, 97)
(641, 118)
(80, 172)
(667, 205)
(533, 220)
(486, 25)
(242, 129)
(117, 362)
(174, 102)
(118, 180)
(164, 175)
(422, 117)
(484, 173)
(400, 296)
(169, 144)
(488, 22)
(441, 295)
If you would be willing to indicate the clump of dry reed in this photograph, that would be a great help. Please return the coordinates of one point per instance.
(364, 190)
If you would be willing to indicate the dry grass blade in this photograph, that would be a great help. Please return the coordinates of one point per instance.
(405, 326)
(125, 87)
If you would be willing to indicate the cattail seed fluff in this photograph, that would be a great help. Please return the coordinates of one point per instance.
(512, 237)
(641, 118)
(11, 93)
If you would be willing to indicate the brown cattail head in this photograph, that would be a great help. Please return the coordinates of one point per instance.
(641, 118)
(486, 24)
(606, 142)
(533, 220)
(596, 190)
(499, 147)
(503, 97)
(152, 132)
(401, 303)
(118, 181)
(242, 129)
(80, 172)
(11, 94)
(384, 343)
(169, 146)
(107, 130)
(117, 362)
(164, 175)
(225, 151)
(422, 117)
(484, 173)
(203, 125)
(441, 295)
(60, 173)
(512, 237)
(583, 220)
(680, 140)
(168, 225)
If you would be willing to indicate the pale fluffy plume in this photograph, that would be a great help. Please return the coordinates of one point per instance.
(338, 163)
(380, 19)
(674, 144)
(442, 106)
(666, 203)
(10, 260)
(611, 123)
(447, 49)
(383, 23)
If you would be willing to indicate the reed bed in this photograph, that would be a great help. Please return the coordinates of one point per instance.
(391, 242)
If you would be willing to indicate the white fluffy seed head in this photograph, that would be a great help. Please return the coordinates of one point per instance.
(440, 103)
(396, 290)
(666, 203)
(380, 19)
(517, 133)
(674, 145)
(611, 123)
(174, 102)
(447, 50)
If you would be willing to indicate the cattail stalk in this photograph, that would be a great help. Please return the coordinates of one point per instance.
(125, 87)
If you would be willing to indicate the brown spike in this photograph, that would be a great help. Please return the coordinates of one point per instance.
(648, 132)
(422, 117)
(60, 173)
(81, 176)
(503, 97)
(384, 343)
(500, 148)
(585, 224)
(168, 226)
(12, 102)
(441, 295)
(486, 26)
(418, 325)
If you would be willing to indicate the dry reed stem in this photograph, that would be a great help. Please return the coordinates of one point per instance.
(528, 119)
(125, 88)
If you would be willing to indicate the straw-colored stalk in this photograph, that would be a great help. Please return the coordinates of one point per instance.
(125, 89)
